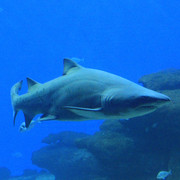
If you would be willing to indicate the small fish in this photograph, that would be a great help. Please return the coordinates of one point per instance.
(155, 125)
(163, 174)
(17, 155)
(77, 60)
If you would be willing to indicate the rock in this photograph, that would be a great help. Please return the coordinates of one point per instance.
(64, 138)
(45, 177)
(66, 163)
(174, 165)
(5, 173)
(29, 172)
(31, 175)
(112, 125)
(113, 150)
(108, 146)
(163, 80)
(65, 160)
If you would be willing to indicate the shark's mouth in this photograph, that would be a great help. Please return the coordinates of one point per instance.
(148, 107)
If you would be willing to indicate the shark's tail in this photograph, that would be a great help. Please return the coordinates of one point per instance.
(14, 97)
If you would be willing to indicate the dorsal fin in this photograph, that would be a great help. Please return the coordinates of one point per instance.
(69, 65)
(31, 83)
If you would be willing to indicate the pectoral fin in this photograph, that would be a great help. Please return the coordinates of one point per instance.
(47, 118)
(85, 112)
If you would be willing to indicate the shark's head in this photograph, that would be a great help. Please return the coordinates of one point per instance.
(130, 102)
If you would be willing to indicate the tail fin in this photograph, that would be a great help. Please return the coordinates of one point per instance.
(14, 96)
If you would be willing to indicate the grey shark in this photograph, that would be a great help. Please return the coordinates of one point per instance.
(84, 94)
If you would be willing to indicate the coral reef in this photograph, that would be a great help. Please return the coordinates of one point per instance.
(167, 79)
(64, 159)
(123, 149)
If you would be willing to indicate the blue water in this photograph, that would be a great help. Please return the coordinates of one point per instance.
(127, 38)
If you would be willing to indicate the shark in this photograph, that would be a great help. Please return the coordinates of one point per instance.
(84, 94)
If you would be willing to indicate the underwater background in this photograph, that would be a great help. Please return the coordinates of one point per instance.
(128, 38)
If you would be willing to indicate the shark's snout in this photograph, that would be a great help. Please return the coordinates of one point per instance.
(164, 99)
(154, 101)
(161, 98)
